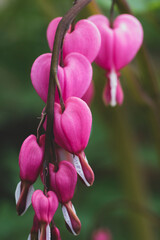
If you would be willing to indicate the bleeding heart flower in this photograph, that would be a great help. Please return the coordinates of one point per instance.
(74, 78)
(84, 39)
(73, 126)
(45, 208)
(119, 46)
(30, 162)
(72, 130)
(63, 181)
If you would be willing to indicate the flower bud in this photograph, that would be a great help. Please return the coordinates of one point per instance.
(30, 162)
(31, 158)
(72, 221)
(63, 181)
(84, 38)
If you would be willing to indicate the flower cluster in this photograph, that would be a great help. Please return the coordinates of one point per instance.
(71, 131)
(89, 40)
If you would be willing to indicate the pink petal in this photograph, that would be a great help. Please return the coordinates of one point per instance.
(83, 169)
(84, 39)
(51, 31)
(113, 94)
(40, 73)
(31, 158)
(63, 181)
(75, 77)
(71, 218)
(72, 127)
(105, 56)
(44, 206)
(128, 37)
(89, 94)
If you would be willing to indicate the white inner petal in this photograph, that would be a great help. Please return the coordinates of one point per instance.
(79, 169)
(17, 192)
(67, 219)
(29, 237)
(29, 196)
(113, 85)
(48, 232)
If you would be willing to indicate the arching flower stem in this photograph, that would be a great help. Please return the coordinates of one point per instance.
(49, 153)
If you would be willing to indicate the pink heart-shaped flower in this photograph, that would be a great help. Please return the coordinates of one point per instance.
(119, 44)
(44, 206)
(63, 181)
(72, 127)
(84, 39)
(74, 78)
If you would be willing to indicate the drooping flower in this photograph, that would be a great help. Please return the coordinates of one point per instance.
(30, 162)
(63, 181)
(74, 77)
(119, 46)
(72, 130)
(84, 38)
(45, 208)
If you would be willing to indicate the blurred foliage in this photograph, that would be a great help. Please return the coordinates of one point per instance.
(23, 38)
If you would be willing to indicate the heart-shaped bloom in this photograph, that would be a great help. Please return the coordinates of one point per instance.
(119, 46)
(72, 130)
(84, 39)
(73, 126)
(63, 181)
(44, 206)
(74, 78)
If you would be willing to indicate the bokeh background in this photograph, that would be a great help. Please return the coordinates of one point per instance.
(124, 148)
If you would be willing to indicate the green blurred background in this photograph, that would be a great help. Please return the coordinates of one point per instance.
(124, 148)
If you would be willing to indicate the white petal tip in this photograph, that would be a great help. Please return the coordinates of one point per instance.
(79, 169)
(67, 218)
